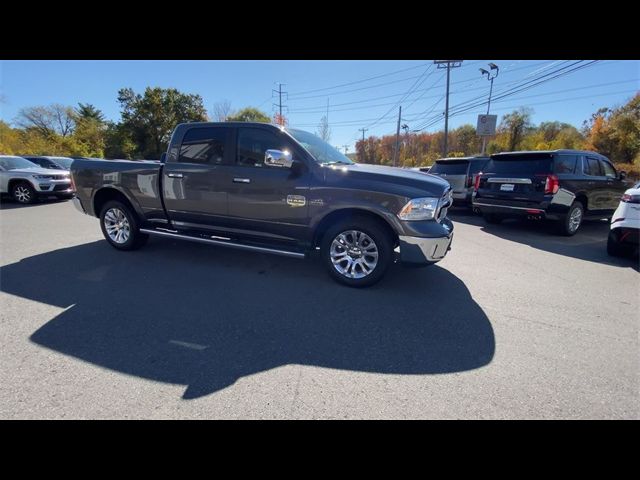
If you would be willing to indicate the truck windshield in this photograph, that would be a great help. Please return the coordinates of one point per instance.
(519, 164)
(321, 150)
(14, 163)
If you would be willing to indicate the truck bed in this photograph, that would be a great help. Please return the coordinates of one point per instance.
(138, 180)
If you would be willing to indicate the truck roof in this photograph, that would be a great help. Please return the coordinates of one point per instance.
(452, 159)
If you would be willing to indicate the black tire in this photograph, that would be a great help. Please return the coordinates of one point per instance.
(565, 226)
(23, 192)
(493, 218)
(135, 239)
(382, 242)
(614, 247)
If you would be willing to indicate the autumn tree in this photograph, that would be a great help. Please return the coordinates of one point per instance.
(48, 120)
(515, 125)
(221, 111)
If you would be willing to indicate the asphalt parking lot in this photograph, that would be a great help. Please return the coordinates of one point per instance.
(515, 323)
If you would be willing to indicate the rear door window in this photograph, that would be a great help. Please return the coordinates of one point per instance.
(565, 163)
(608, 169)
(592, 167)
(519, 165)
(204, 146)
(450, 168)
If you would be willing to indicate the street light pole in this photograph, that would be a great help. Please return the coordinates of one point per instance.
(490, 77)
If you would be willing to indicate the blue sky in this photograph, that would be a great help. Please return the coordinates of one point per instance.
(367, 102)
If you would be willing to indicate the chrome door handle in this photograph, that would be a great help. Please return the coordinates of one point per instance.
(175, 175)
(241, 180)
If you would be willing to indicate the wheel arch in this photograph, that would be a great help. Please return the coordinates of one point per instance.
(337, 215)
(106, 194)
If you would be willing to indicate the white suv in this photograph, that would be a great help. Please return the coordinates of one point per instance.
(25, 181)
(624, 236)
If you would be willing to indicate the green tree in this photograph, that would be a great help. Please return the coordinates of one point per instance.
(150, 118)
(249, 114)
(86, 111)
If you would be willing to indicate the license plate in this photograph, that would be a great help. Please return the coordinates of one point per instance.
(506, 187)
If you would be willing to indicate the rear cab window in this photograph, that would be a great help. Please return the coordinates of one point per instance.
(205, 145)
(450, 167)
(608, 169)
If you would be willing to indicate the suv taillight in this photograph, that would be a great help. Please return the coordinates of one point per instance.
(471, 180)
(476, 181)
(73, 184)
(552, 184)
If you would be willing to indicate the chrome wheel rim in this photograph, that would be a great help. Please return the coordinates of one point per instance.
(354, 254)
(117, 225)
(574, 219)
(22, 194)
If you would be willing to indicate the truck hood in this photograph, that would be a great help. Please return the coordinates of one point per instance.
(400, 181)
(39, 171)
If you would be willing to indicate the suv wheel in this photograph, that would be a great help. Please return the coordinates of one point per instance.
(23, 192)
(120, 226)
(570, 224)
(356, 252)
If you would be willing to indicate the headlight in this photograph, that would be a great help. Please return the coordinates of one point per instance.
(43, 177)
(419, 209)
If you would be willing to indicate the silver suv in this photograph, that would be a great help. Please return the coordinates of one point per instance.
(460, 172)
(25, 181)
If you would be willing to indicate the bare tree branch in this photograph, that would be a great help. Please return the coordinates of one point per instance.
(221, 111)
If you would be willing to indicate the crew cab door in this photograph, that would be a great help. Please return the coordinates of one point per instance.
(267, 201)
(193, 186)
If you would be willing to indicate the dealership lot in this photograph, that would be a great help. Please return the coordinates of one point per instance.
(514, 323)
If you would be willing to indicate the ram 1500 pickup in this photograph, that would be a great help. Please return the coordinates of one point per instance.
(269, 189)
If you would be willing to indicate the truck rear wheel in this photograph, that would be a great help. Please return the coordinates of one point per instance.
(120, 226)
(356, 252)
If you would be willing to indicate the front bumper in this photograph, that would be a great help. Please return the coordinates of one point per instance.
(424, 251)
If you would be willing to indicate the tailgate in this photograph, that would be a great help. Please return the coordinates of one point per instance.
(453, 171)
(517, 180)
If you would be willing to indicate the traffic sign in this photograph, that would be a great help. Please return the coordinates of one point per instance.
(486, 125)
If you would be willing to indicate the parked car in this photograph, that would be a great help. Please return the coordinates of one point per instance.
(259, 187)
(564, 186)
(25, 181)
(624, 236)
(54, 163)
(460, 172)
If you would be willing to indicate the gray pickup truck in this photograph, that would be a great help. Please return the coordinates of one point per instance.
(269, 189)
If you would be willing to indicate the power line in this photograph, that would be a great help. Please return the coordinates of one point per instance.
(295, 94)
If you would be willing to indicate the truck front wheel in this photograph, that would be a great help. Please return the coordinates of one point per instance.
(356, 252)
(120, 226)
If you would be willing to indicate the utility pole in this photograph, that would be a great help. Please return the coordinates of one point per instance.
(279, 92)
(346, 148)
(448, 64)
(363, 130)
(395, 152)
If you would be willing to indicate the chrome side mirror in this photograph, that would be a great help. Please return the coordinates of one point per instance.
(278, 158)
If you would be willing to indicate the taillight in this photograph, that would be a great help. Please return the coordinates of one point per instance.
(552, 184)
(471, 180)
(476, 181)
(73, 184)
(630, 198)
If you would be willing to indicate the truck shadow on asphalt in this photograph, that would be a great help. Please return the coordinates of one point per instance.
(590, 243)
(204, 317)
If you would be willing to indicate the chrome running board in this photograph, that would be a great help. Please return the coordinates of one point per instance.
(223, 243)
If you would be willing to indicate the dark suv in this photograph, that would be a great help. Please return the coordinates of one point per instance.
(460, 172)
(561, 185)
